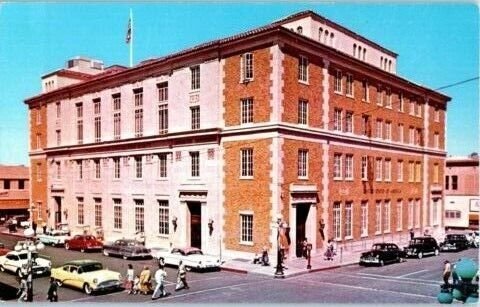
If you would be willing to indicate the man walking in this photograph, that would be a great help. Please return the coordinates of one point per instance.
(181, 277)
(52, 294)
(160, 276)
(447, 271)
(22, 290)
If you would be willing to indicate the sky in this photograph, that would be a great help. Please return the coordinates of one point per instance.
(437, 44)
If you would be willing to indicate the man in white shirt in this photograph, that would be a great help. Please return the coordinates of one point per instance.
(160, 276)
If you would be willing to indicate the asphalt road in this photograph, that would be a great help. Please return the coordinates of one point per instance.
(413, 281)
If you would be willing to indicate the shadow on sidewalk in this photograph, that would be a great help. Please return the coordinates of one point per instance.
(7, 292)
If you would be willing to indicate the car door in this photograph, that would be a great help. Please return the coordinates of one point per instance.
(12, 263)
(65, 276)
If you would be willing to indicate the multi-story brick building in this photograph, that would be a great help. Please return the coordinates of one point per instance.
(14, 191)
(462, 192)
(301, 120)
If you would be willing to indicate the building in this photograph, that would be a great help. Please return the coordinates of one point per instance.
(301, 121)
(462, 192)
(14, 191)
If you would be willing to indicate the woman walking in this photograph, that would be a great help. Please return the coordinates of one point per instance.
(52, 294)
(129, 279)
(145, 277)
(181, 277)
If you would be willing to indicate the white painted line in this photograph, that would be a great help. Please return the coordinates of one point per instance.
(400, 278)
(402, 281)
(413, 273)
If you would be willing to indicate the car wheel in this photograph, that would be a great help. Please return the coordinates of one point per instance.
(436, 252)
(420, 255)
(67, 246)
(82, 250)
(382, 263)
(53, 244)
(87, 289)
(124, 257)
(105, 253)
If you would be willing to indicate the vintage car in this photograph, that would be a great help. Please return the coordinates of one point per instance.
(127, 248)
(382, 253)
(192, 257)
(53, 237)
(83, 243)
(420, 246)
(87, 275)
(473, 238)
(454, 242)
(16, 262)
(3, 249)
(64, 227)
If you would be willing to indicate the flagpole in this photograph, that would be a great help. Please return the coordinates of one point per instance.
(131, 38)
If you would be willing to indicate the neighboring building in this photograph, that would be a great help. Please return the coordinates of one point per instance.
(14, 191)
(301, 120)
(462, 192)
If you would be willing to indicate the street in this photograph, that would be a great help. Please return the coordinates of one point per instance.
(413, 281)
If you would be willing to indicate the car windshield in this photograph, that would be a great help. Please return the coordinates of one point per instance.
(24, 256)
(378, 247)
(417, 241)
(92, 267)
(195, 252)
(132, 243)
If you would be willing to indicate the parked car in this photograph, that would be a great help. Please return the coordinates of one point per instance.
(3, 249)
(192, 257)
(473, 238)
(14, 262)
(83, 243)
(64, 227)
(454, 242)
(382, 253)
(127, 248)
(87, 275)
(420, 246)
(54, 237)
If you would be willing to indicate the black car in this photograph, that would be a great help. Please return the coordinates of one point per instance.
(127, 249)
(420, 246)
(454, 242)
(382, 253)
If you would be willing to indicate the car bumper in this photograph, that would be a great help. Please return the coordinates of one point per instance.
(107, 285)
(40, 271)
(370, 260)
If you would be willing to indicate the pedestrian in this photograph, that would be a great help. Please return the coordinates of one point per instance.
(412, 233)
(129, 279)
(329, 253)
(34, 227)
(454, 274)
(447, 271)
(136, 284)
(44, 227)
(265, 261)
(161, 262)
(22, 290)
(52, 294)
(160, 276)
(304, 248)
(145, 281)
(181, 277)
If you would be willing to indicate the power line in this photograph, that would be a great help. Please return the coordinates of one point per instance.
(457, 83)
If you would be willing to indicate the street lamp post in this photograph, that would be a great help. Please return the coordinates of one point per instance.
(279, 269)
(30, 247)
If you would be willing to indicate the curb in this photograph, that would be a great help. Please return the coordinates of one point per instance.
(13, 234)
(241, 271)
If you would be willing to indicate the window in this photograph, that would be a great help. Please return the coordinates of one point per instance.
(59, 137)
(411, 135)
(138, 167)
(162, 107)
(388, 130)
(364, 168)
(247, 66)
(435, 207)
(454, 182)
(246, 228)
(117, 214)
(303, 69)
(163, 217)
(337, 86)
(302, 169)
(410, 213)
(98, 212)
(195, 111)
(139, 216)
(138, 97)
(436, 140)
(365, 96)
(116, 168)
(418, 110)
(303, 112)
(247, 110)
(435, 173)
(337, 166)
(79, 108)
(337, 218)
(195, 77)
(378, 217)
(97, 120)
(399, 214)
(21, 184)
(349, 167)
(117, 117)
(418, 172)
(386, 216)
(388, 170)
(80, 212)
(366, 125)
(412, 107)
(38, 143)
(337, 120)
(320, 32)
(436, 114)
(348, 220)
(400, 133)
(299, 30)
(379, 130)
(378, 169)
(79, 169)
(411, 171)
(195, 164)
(447, 182)
(400, 103)
(400, 171)
(418, 205)
(379, 97)
(354, 50)
(97, 170)
(59, 110)
(6, 184)
(349, 87)
(246, 162)
(39, 172)
(419, 137)
(349, 122)
(389, 98)
(453, 214)
(364, 219)
(162, 166)
(58, 167)
(39, 116)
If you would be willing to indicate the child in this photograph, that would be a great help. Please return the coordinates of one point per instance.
(136, 284)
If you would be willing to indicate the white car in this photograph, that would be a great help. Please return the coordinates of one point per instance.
(16, 262)
(54, 237)
(192, 257)
(474, 241)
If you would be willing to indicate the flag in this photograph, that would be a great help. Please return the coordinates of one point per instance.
(129, 31)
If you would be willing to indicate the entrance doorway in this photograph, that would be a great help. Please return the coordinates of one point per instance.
(302, 214)
(58, 210)
(195, 210)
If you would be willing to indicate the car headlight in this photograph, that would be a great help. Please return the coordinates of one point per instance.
(378, 256)
(414, 250)
(95, 280)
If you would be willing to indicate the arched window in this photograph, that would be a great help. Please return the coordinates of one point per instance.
(332, 38)
(320, 33)
(385, 64)
(390, 66)
(359, 52)
(325, 37)
(364, 53)
(381, 61)
(354, 50)
(299, 30)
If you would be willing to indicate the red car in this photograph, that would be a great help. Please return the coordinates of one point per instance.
(84, 243)
(3, 249)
